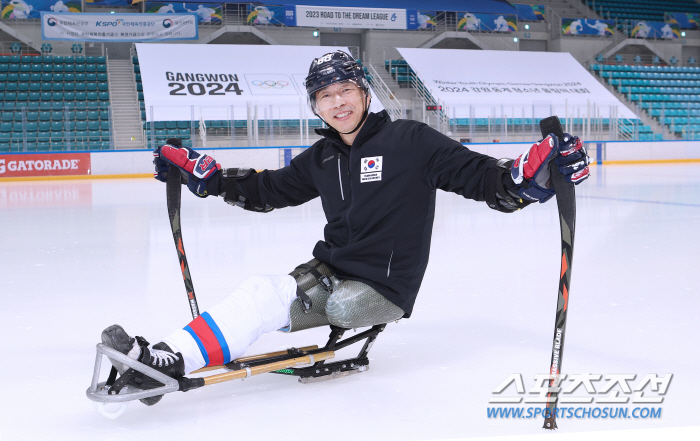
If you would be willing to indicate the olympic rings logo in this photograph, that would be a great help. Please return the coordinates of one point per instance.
(268, 84)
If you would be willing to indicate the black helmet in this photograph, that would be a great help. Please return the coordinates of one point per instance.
(334, 67)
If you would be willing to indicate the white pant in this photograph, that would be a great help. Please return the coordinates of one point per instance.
(260, 304)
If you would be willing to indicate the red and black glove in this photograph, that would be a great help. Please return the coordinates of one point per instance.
(200, 172)
(531, 170)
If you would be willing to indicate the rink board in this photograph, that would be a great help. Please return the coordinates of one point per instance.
(140, 162)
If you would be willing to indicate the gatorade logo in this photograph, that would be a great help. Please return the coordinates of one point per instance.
(44, 165)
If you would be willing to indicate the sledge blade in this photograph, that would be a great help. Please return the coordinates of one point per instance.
(333, 375)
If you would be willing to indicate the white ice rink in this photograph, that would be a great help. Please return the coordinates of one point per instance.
(79, 255)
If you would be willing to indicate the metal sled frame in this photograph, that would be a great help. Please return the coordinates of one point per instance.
(308, 363)
(321, 370)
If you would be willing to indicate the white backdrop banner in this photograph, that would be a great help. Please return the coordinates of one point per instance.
(222, 82)
(118, 27)
(519, 81)
(346, 17)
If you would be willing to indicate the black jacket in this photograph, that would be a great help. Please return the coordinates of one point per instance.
(379, 230)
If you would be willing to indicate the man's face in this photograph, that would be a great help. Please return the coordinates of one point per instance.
(341, 105)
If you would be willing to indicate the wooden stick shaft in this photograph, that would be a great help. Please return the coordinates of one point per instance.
(254, 357)
(257, 370)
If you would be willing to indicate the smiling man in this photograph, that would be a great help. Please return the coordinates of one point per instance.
(377, 181)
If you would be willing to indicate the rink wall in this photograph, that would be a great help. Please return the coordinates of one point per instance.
(133, 163)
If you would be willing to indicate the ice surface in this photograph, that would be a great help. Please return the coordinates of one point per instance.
(77, 256)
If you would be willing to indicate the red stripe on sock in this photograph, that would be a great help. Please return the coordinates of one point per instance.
(209, 340)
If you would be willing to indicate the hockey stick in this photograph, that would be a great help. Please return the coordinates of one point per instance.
(566, 205)
(173, 190)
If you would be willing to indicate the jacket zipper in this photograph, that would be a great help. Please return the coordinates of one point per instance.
(388, 268)
(340, 178)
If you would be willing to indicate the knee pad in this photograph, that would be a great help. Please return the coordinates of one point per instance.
(355, 304)
(318, 294)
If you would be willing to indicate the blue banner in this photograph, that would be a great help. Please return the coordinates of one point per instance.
(205, 14)
(426, 19)
(683, 20)
(488, 22)
(530, 12)
(583, 26)
(481, 6)
(655, 29)
(118, 27)
(21, 9)
(266, 15)
(109, 2)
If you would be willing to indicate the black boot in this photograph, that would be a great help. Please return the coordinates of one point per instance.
(159, 357)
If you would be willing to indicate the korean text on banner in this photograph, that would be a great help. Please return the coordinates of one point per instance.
(183, 82)
(50, 164)
(363, 18)
(118, 27)
(479, 79)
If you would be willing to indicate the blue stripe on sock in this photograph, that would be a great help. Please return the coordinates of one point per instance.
(219, 336)
(199, 343)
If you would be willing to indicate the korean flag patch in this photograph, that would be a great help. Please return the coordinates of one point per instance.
(371, 169)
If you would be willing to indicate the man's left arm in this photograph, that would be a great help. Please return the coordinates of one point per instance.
(505, 185)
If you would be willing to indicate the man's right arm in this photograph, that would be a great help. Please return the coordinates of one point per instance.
(243, 187)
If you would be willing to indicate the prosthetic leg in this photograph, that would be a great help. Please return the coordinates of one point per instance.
(327, 300)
